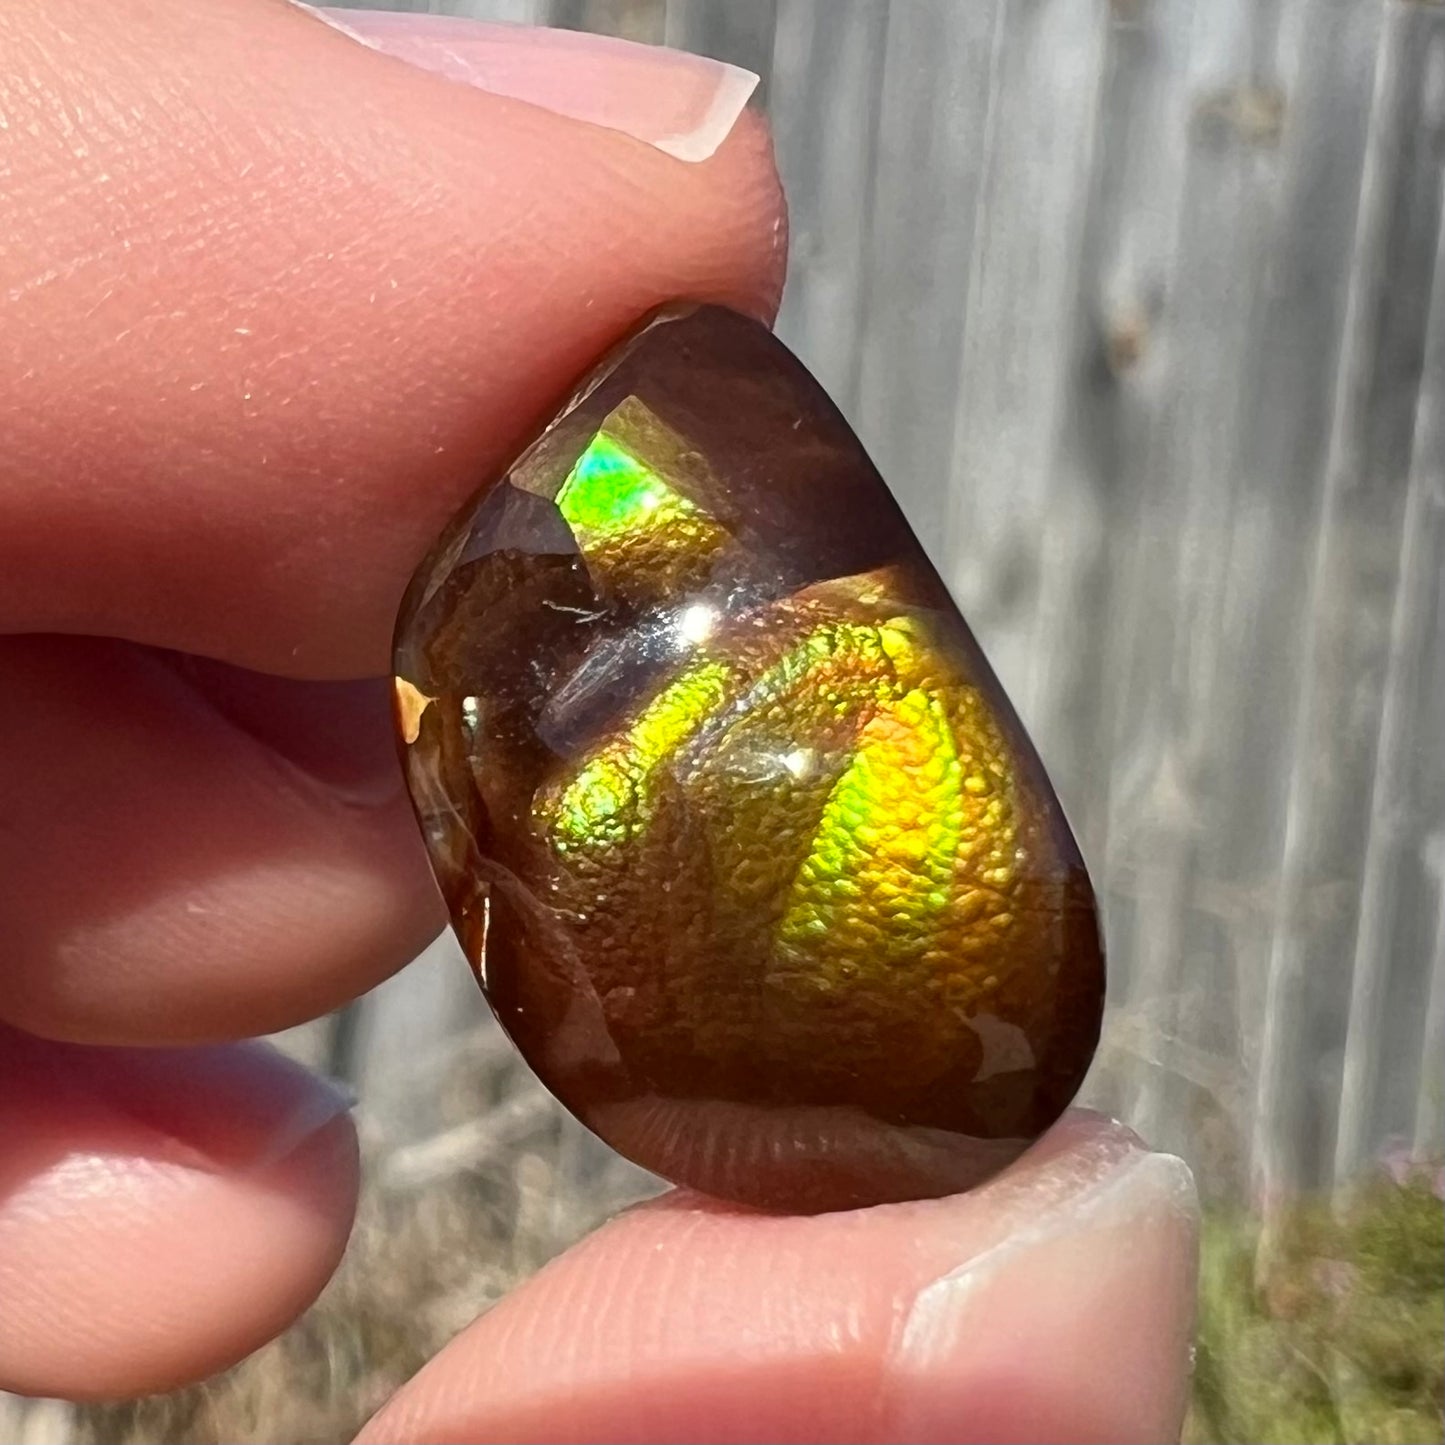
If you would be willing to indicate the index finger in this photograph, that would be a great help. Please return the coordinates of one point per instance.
(275, 303)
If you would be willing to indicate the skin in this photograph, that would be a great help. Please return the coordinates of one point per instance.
(260, 337)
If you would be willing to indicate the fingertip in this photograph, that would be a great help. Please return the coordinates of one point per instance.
(747, 167)
(390, 279)
(161, 1214)
(228, 856)
(1054, 1302)
(1076, 1326)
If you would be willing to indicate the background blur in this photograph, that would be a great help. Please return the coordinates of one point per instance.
(1140, 307)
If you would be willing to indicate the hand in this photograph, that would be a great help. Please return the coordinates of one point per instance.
(273, 302)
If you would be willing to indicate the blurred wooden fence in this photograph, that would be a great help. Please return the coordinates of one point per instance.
(1141, 308)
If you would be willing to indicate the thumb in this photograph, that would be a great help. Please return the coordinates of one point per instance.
(274, 300)
(1053, 1303)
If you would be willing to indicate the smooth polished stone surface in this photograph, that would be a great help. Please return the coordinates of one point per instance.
(752, 857)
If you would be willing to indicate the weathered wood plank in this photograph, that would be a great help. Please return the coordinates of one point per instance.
(938, 66)
(1334, 648)
(824, 106)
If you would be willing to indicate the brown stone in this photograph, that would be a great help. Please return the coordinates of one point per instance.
(751, 855)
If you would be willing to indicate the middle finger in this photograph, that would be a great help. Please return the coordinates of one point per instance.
(192, 852)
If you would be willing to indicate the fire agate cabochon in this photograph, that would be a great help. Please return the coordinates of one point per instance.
(753, 859)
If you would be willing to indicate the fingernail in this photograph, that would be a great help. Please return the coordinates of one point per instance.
(1102, 1277)
(240, 1108)
(245, 1107)
(309, 1113)
(683, 104)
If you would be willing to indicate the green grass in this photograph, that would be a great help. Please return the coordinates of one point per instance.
(1333, 1330)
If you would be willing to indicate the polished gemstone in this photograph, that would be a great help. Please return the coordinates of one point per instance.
(752, 857)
